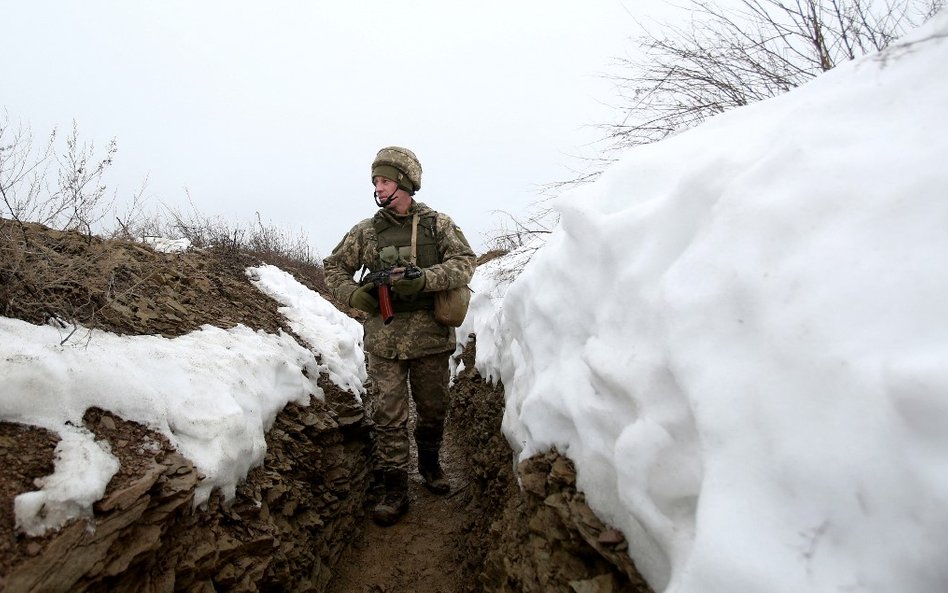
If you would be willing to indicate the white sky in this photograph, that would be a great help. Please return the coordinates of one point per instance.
(749, 358)
(280, 107)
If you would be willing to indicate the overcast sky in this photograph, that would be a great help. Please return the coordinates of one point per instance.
(280, 107)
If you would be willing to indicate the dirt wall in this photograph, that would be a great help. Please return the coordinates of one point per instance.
(296, 516)
(288, 525)
(538, 534)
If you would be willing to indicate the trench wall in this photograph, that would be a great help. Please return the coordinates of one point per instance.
(530, 530)
(527, 528)
(286, 528)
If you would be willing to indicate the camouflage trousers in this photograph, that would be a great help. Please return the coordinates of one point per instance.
(425, 380)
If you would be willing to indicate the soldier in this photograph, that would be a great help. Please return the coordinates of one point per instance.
(413, 349)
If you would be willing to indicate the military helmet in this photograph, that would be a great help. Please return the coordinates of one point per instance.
(400, 165)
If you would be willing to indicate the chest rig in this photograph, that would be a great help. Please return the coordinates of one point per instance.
(395, 249)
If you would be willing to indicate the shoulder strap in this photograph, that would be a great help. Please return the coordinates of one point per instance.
(414, 239)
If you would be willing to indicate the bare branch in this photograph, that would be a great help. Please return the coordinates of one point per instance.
(725, 58)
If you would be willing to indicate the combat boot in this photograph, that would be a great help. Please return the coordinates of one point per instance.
(430, 469)
(394, 503)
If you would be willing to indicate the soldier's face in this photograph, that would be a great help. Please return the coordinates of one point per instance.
(384, 187)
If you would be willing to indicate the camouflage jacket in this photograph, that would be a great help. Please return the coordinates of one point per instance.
(413, 333)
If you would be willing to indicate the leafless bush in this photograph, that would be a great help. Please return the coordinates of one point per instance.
(515, 232)
(77, 201)
(728, 58)
(23, 170)
(133, 222)
(52, 277)
(203, 231)
(723, 58)
(81, 194)
(266, 241)
(61, 187)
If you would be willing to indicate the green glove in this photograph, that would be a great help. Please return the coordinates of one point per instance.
(363, 300)
(408, 288)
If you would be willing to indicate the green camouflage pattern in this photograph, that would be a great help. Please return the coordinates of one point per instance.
(388, 405)
(412, 333)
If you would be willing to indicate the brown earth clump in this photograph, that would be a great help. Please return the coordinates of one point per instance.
(124, 286)
(538, 536)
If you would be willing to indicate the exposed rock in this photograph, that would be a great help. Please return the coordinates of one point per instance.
(286, 528)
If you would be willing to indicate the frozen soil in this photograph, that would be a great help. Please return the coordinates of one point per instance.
(128, 288)
(421, 552)
(486, 535)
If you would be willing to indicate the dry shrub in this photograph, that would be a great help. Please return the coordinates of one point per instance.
(60, 277)
(50, 275)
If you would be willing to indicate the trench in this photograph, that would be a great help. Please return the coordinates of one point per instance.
(438, 546)
(422, 552)
(496, 531)
(299, 523)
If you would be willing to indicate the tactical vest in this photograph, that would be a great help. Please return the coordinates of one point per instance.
(426, 246)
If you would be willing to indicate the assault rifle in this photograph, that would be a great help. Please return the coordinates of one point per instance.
(382, 280)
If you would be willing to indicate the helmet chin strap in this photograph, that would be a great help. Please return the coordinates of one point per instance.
(386, 201)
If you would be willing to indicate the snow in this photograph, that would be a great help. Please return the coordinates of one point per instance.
(738, 335)
(335, 338)
(166, 245)
(213, 393)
